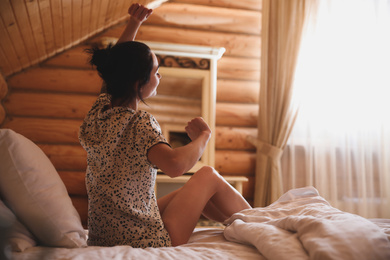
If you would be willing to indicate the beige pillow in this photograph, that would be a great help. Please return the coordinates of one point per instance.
(18, 237)
(31, 187)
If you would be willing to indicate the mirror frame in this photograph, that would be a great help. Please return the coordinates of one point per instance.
(190, 61)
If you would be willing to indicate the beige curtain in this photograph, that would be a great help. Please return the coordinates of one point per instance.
(341, 138)
(282, 24)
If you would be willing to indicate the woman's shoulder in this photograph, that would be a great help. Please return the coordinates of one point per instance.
(147, 118)
(144, 114)
(101, 101)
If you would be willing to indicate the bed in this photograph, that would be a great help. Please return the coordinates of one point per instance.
(40, 222)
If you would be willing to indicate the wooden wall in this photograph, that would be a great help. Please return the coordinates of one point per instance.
(47, 102)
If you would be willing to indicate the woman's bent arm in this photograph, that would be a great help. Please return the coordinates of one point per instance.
(177, 161)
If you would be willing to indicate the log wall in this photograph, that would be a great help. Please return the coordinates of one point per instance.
(47, 103)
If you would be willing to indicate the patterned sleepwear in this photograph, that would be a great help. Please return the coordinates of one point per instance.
(120, 180)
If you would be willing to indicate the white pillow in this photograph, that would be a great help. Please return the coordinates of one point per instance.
(31, 187)
(19, 238)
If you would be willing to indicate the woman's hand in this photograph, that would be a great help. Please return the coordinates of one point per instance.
(139, 12)
(196, 127)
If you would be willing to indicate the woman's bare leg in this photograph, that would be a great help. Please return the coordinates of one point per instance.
(182, 209)
(210, 211)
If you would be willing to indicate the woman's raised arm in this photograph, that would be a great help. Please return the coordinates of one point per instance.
(138, 14)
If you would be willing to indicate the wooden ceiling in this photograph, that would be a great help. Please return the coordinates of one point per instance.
(33, 30)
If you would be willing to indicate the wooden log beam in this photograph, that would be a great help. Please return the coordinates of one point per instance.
(72, 158)
(242, 4)
(43, 130)
(235, 162)
(66, 157)
(231, 114)
(205, 17)
(239, 45)
(233, 68)
(48, 105)
(65, 131)
(234, 138)
(238, 91)
(74, 182)
(77, 106)
(57, 80)
(236, 68)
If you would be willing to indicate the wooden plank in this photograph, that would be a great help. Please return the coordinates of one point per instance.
(76, 21)
(57, 80)
(67, 23)
(110, 12)
(85, 17)
(207, 18)
(43, 130)
(238, 91)
(242, 4)
(236, 44)
(36, 27)
(94, 17)
(122, 8)
(25, 30)
(56, 16)
(234, 138)
(241, 163)
(8, 49)
(5, 65)
(101, 19)
(47, 25)
(11, 25)
(236, 114)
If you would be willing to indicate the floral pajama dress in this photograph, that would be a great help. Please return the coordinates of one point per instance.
(120, 180)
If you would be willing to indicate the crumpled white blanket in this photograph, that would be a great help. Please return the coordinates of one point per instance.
(303, 225)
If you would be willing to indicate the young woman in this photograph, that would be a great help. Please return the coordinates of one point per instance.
(125, 147)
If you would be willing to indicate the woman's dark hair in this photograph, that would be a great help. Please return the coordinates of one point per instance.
(121, 67)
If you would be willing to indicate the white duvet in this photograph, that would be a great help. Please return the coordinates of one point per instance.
(302, 225)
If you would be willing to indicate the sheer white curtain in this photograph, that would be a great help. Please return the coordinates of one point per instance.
(341, 139)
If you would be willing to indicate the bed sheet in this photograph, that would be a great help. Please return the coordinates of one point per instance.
(205, 243)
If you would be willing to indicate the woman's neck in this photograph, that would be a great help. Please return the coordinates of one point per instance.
(120, 103)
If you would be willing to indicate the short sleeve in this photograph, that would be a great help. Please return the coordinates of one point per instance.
(151, 133)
